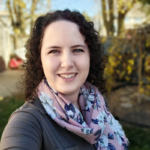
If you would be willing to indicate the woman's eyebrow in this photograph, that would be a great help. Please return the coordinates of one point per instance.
(53, 47)
(78, 46)
(74, 46)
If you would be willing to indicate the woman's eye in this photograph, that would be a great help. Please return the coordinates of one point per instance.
(78, 50)
(54, 51)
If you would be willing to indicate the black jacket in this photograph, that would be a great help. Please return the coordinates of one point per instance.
(31, 128)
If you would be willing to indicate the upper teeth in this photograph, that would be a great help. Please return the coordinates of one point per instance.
(67, 75)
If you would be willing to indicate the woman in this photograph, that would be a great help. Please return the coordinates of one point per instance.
(64, 109)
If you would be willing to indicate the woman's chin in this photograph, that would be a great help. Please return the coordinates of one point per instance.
(68, 90)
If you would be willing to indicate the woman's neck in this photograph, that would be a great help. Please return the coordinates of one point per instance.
(73, 98)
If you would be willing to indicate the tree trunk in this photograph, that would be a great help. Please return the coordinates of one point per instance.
(34, 3)
(108, 17)
(10, 12)
(140, 70)
(121, 17)
(111, 17)
(15, 41)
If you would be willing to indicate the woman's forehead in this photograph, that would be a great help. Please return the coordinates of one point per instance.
(62, 26)
(63, 32)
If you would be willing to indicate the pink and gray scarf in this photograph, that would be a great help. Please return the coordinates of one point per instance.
(94, 123)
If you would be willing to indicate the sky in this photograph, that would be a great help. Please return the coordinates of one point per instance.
(90, 6)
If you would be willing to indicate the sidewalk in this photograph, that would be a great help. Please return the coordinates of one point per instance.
(9, 82)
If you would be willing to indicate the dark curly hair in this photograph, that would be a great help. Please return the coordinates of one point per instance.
(34, 72)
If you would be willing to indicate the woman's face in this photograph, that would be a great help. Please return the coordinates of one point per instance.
(65, 57)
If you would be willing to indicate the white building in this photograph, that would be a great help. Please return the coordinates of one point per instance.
(6, 38)
(6, 46)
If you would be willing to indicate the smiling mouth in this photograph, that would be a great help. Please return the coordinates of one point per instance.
(67, 75)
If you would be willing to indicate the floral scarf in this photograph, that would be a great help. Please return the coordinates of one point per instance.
(96, 124)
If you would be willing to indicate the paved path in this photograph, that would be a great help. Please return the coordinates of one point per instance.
(9, 82)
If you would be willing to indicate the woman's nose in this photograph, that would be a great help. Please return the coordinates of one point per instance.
(66, 60)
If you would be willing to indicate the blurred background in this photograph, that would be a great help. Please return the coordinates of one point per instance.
(124, 28)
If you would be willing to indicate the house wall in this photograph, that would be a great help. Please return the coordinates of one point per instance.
(5, 43)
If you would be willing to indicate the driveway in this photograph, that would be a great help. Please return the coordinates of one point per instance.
(10, 82)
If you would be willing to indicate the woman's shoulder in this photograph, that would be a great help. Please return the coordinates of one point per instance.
(32, 106)
(31, 109)
(24, 116)
(27, 115)
(23, 129)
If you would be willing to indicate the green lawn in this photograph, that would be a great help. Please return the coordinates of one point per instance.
(139, 138)
(7, 106)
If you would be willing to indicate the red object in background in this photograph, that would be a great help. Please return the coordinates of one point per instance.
(15, 63)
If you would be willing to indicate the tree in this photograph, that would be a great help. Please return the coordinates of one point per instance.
(145, 1)
(112, 8)
(20, 12)
(88, 18)
(108, 16)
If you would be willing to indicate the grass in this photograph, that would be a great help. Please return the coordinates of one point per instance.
(7, 106)
(139, 138)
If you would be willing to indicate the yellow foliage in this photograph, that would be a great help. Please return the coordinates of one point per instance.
(103, 39)
(147, 93)
(111, 49)
(118, 71)
(109, 71)
(112, 61)
(131, 61)
(17, 31)
(148, 78)
(120, 57)
(129, 69)
(147, 63)
(1, 98)
(127, 78)
(123, 5)
(123, 73)
(122, 11)
(20, 3)
(147, 42)
(148, 86)
(141, 82)
(141, 90)
(143, 55)
(135, 55)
